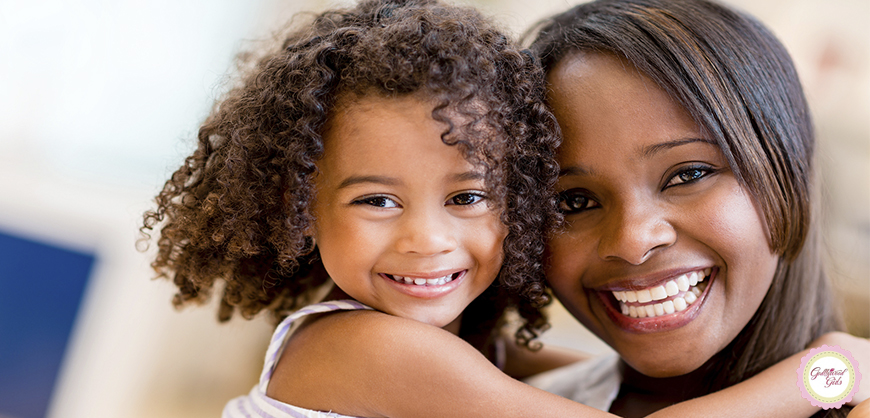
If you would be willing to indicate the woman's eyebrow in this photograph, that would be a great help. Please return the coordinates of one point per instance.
(352, 180)
(574, 170)
(650, 150)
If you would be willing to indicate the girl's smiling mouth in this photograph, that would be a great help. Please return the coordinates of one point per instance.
(668, 305)
(430, 286)
(424, 281)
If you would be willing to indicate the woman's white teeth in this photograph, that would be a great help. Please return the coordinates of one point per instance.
(682, 283)
(423, 282)
(644, 296)
(678, 304)
(671, 288)
(686, 283)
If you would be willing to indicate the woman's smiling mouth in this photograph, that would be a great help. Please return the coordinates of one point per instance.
(665, 306)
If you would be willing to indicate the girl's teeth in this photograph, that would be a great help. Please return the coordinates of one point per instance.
(424, 282)
(689, 297)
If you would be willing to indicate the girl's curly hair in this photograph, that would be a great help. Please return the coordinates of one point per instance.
(237, 210)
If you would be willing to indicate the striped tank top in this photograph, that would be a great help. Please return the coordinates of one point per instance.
(256, 404)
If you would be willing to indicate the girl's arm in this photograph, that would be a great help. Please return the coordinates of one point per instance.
(371, 364)
(367, 363)
(520, 362)
(773, 392)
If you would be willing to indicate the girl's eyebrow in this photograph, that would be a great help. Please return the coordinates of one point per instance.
(350, 181)
(391, 181)
(650, 150)
(468, 175)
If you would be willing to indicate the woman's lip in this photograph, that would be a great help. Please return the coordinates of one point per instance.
(658, 323)
(427, 291)
(648, 281)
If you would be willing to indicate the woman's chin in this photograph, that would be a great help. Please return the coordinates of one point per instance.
(663, 364)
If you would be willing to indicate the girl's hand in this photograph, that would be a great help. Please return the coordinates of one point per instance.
(860, 411)
(860, 349)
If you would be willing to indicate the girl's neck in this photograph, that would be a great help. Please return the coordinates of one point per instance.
(640, 395)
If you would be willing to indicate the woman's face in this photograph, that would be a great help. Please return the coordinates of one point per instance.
(664, 255)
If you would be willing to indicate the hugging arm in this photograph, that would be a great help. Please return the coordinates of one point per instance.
(773, 392)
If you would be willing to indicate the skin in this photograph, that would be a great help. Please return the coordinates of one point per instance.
(649, 196)
(393, 200)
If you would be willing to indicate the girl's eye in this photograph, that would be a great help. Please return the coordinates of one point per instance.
(689, 175)
(575, 201)
(377, 201)
(464, 199)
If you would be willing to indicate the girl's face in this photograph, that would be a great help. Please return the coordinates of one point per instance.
(402, 220)
(664, 255)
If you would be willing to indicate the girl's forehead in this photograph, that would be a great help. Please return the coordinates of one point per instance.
(465, 124)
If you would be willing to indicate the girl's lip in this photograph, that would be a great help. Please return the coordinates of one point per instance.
(428, 291)
(658, 323)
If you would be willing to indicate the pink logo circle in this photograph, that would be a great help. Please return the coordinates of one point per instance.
(828, 376)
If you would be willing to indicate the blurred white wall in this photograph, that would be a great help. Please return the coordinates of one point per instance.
(100, 100)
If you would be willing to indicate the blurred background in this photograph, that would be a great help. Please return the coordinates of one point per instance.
(100, 101)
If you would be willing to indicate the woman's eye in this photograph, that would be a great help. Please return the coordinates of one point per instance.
(377, 201)
(689, 175)
(574, 201)
(464, 199)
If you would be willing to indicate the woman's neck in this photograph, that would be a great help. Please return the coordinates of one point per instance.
(640, 395)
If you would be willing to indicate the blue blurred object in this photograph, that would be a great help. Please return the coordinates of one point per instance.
(41, 288)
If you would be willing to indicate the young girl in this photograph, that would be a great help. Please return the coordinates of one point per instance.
(689, 243)
(401, 150)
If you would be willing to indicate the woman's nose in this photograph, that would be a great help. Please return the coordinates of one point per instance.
(426, 232)
(634, 233)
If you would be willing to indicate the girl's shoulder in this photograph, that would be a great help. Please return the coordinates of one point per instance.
(347, 361)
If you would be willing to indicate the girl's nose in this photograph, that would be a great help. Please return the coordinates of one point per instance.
(634, 233)
(427, 233)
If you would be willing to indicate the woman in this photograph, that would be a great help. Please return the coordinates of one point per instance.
(689, 242)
